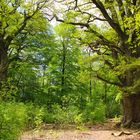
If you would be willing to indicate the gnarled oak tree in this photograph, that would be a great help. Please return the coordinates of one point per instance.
(111, 29)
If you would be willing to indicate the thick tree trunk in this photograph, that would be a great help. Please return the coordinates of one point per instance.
(131, 110)
(3, 65)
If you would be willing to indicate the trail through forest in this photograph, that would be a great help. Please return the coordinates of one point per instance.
(78, 135)
(104, 131)
(69, 62)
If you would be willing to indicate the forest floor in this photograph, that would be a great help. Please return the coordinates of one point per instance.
(105, 131)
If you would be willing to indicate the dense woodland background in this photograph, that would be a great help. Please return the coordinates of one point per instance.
(68, 62)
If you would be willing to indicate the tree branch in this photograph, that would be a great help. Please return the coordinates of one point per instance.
(9, 38)
(109, 82)
(112, 23)
(110, 45)
(121, 8)
(72, 23)
(102, 40)
(113, 11)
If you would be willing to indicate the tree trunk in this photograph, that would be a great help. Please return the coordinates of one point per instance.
(131, 109)
(63, 67)
(3, 65)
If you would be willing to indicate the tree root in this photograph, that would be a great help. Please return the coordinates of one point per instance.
(121, 133)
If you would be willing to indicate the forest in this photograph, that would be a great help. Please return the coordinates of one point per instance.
(68, 62)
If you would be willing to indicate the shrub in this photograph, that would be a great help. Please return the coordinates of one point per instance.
(12, 120)
(73, 115)
(15, 117)
(60, 115)
(94, 112)
(35, 115)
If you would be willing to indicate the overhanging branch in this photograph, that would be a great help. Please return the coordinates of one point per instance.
(72, 23)
(112, 23)
(102, 41)
(109, 82)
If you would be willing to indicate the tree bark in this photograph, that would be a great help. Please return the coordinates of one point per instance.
(63, 66)
(3, 64)
(131, 110)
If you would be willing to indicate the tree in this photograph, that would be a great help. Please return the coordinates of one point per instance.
(111, 29)
(18, 19)
(64, 68)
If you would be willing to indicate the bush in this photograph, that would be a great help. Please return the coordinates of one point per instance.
(60, 115)
(16, 117)
(12, 120)
(94, 112)
(35, 115)
(73, 115)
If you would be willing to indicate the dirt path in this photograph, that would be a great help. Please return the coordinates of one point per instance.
(77, 135)
(96, 132)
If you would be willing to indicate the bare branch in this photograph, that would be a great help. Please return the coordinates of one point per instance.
(86, 3)
(76, 4)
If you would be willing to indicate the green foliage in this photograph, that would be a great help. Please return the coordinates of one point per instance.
(73, 115)
(16, 117)
(94, 112)
(12, 120)
(61, 116)
(53, 72)
(35, 116)
(113, 103)
(8, 91)
(118, 97)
